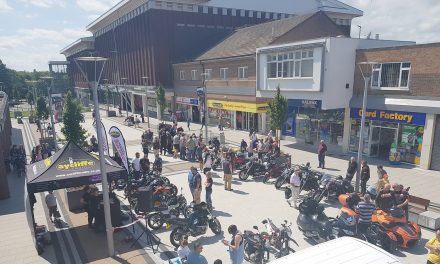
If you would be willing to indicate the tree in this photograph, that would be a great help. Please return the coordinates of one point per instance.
(30, 100)
(42, 109)
(72, 118)
(278, 112)
(160, 98)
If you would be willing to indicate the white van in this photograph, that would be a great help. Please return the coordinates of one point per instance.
(347, 250)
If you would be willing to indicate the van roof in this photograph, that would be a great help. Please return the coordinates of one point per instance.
(347, 250)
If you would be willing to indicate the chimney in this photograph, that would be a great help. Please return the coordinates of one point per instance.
(377, 36)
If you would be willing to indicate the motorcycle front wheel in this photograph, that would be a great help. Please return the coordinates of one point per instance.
(279, 182)
(176, 235)
(266, 177)
(215, 226)
(243, 175)
(155, 221)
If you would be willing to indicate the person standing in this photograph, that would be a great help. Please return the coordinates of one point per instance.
(203, 121)
(295, 185)
(85, 200)
(385, 199)
(183, 250)
(188, 122)
(207, 161)
(227, 173)
(197, 187)
(236, 245)
(365, 176)
(157, 165)
(208, 190)
(351, 170)
(195, 257)
(191, 147)
(322, 150)
(191, 182)
(145, 146)
(176, 142)
(383, 178)
(156, 145)
(182, 147)
(51, 202)
(365, 210)
(145, 164)
(137, 166)
(401, 198)
(243, 146)
(142, 117)
(434, 249)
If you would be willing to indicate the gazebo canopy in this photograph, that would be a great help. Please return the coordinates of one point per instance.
(71, 166)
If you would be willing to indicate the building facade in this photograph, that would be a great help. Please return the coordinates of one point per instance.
(402, 118)
(5, 145)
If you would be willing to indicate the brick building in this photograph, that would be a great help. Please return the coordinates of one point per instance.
(403, 120)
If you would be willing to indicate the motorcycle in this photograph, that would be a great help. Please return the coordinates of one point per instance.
(255, 249)
(254, 168)
(279, 238)
(174, 207)
(313, 222)
(239, 160)
(195, 225)
(216, 161)
(276, 167)
(332, 188)
(284, 178)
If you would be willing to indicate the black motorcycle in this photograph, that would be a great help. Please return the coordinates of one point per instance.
(284, 178)
(216, 161)
(195, 225)
(313, 222)
(280, 238)
(175, 207)
(255, 249)
(254, 167)
(332, 188)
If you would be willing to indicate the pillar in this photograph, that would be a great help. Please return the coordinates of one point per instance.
(132, 103)
(159, 114)
(346, 135)
(263, 123)
(144, 105)
(428, 141)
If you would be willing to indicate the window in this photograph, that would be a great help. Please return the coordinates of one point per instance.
(182, 75)
(208, 74)
(391, 75)
(224, 73)
(291, 64)
(242, 73)
(193, 74)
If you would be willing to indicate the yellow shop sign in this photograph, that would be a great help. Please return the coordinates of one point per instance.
(237, 106)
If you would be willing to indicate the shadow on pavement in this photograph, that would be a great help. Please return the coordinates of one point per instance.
(205, 240)
(220, 213)
(419, 249)
(240, 192)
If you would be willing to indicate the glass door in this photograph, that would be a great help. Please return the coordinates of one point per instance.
(374, 141)
(388, 136)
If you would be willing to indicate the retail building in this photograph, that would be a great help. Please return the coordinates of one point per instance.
(402, 117)
(316, 76)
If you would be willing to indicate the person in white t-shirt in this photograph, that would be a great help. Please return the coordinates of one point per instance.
(137, 166)
(207, 161)
(183, 250)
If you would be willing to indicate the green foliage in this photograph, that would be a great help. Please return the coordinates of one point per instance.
(278, 110)
(160, 97)
(72, 118)
(30, 98)
(42, 108)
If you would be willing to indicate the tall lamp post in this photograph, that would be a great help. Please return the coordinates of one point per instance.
(105, 188)
(366, 69)
(126, 95)
(146, 99)
(205, 112)
(46, 78)
(107, 95)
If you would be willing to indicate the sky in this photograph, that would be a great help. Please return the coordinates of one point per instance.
(32, 32)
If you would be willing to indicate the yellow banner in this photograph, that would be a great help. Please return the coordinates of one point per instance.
(236, 106)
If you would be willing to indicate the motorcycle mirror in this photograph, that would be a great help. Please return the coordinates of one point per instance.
(285, 221)
(264, 222)
(255, 227)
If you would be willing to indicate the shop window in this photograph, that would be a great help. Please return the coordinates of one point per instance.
(224, 73)
(243, 73)
(182, 75)
(208, 74)
(292, 64)
(410, 143)
(391, 75)
(193, 74)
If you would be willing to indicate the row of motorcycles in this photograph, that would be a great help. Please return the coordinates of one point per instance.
(157, 198)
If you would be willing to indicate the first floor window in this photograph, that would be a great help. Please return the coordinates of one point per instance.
(243, 73)
(182, 75)
(224, 73)
(391, 75)
(194, 75)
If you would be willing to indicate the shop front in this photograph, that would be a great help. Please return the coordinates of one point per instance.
(237, 115)
(390, 135)
(187, 107)
(307, 122)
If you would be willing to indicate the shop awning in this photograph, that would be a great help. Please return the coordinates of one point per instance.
(238, 106)
(429, 105)
(71, 166)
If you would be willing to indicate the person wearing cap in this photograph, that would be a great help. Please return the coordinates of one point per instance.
(195, 257)
(322, 150)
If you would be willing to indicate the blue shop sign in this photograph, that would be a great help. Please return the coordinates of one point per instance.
(409, 118)
(194, 101)
(304, 103)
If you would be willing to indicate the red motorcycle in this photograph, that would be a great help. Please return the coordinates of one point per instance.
(277, 167)
(239, 160)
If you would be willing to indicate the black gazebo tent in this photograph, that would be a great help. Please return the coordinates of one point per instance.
(71, 166)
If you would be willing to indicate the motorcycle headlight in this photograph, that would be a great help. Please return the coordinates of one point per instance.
(321, 186)
(265, 163)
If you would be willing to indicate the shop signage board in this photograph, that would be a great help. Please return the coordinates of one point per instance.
(237, 106)
(187, 101)
(304, 103)
(409, 118)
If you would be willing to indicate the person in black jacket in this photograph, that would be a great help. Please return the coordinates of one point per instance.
(243, 146)
(352, 168)
(365, 176)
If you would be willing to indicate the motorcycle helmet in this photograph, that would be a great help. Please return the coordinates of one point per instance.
(232, 229)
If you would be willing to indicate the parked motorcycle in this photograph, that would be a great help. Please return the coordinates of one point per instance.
(284, 178)
(195, 225)
(216, 160)
(239, 160)
(279, 238)
(253, 168)
(276, 167)
(174, 208)
(255, 249)
(313, 222)
(332, 188)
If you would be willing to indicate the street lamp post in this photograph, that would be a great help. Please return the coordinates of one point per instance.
(146, 99)
(107, 95)
(205, 112)
(50, 105)
(366, 69)
(126, 95)
(105, 187)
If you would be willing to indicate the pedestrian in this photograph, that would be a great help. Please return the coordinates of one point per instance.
(365, 176)
(136, 162)
(183, 250)
(385, 199)
(433, 245)
(157, 165)
(182, 147)
(85, 200)
(200, 149)
(383, 178)
(137, 122)
(208, 190)
(351, 170)
(142, 117)
(365, 210)
(145, 149)
(322, 149)
(145, 164)
(188, 122)
(235, 246)
(207, 161)
(120, 110)
(51, 202)
(176, 144)
(295, 185)
(197, 185)
(195, 256)
(156, 146)
(401, 198)
(191, 149)
(243, 146)
(227, 173)
(250, 150)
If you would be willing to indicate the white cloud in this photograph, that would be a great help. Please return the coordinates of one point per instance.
(100, 6)
(399, 19)
(45, 3)
(31, 15)
(4, 6)
(30, 49)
